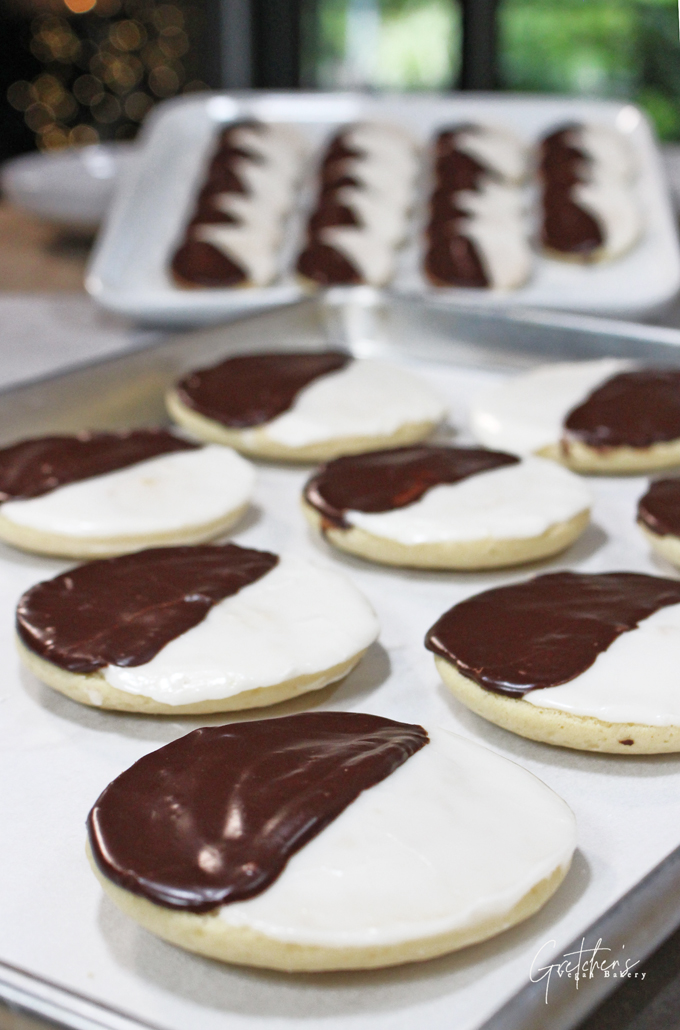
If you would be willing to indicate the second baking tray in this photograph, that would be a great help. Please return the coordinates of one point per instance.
(129, 269)
(67, 954)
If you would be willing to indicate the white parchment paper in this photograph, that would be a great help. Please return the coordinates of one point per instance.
(57, 756)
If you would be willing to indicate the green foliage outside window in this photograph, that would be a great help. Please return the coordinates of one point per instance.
(626, 49)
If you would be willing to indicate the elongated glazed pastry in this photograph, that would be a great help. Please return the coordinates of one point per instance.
(235, 233)
(366, 192)
(328, 840)
(476, 235)
(590, 212)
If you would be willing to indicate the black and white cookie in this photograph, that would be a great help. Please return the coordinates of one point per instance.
(447, 507)
(587, 661)
(328, 840)
(182, 630)
(305, 406)
(109, 493)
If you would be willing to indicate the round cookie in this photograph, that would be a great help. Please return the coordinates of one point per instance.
(658, 516)
(100, 494)
(587, 661)
(328, 840)
(305, 407)
(447, 507)
(597, 416)
(187, 630)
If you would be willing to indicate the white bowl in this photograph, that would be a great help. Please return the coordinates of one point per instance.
(72, 187)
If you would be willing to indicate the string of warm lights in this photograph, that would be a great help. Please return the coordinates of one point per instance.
(105, 63)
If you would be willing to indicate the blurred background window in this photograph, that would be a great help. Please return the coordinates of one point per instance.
(626, 49)
(384, 44)
(80, 71)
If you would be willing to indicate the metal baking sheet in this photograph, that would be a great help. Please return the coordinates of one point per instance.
(68, 957)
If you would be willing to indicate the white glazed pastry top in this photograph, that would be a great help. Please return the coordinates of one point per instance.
(297, 620)
(270, 180)
(385, 170)
(634, 681)
(495, 149)
(607, 149)
(171, 492)
(455, 836)
(514, 502)
(366, 398)
(527, 412)
(613, 205)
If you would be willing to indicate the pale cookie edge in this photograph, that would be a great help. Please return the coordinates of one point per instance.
(255, 442)
(93, 690)
(212, 937)
(549, 726)
(486, 553)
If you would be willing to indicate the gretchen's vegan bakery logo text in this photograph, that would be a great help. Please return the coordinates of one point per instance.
(583, 964)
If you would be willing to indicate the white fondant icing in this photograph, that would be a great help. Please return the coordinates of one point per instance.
(607, 149)
(299, 619)
(503, 250)
(252, 249)
(527, 412)
(615, 209)
(170, 492)
(366, 398)
(495, 202)
(634, 681)
(376, 213)
(513, 502)
(366, 251)
(495, 149)
(454, 836)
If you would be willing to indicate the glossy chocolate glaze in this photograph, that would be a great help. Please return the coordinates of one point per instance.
(319, 261)
(385, 480)
(32, 468)
(327, 266)
(200, 264)
(659, 509)
(451, 258)
(122, 611)
(196, 262)
(567, 227)
(547, 631)
(213, 817)
(252, 389)
(632, 409)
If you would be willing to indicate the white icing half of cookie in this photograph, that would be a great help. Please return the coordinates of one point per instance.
(517, 501)
(370, 254)
(527, 412)
(503, 250)
(494, 201)
(495, 149)
(607, 148)
(455, 836)
(366, 398)
(250, 246)
(614, 207)
(278, 145)
(297, 620)
(634, 681)
(170, 492)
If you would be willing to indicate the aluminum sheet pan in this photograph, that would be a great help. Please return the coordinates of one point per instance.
(69, 958)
